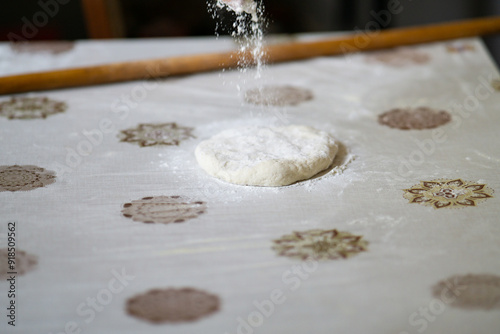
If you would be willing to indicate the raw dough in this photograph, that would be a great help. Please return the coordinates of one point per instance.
(267, 156)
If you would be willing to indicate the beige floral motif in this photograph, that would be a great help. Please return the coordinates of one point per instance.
(459, 47)
(448, 193)
(479, 292)
(278, 95)
(52, 47)
(31, 107)
(156, 134)
(495, 83)
(320, 245)
(400, 57)
(19, 262)
(163, 209)
(172, 305)
(414, 118)
(23, 178)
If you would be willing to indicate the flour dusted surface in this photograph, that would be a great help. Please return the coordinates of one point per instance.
(266, 156)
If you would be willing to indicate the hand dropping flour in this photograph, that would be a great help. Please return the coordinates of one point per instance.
(267, 156)
(239, 6)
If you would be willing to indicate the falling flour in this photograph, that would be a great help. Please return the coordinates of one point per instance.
(250, 36)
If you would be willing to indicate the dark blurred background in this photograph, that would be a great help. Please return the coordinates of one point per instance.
(80, 19)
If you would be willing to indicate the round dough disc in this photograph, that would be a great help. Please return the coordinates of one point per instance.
(267, 156)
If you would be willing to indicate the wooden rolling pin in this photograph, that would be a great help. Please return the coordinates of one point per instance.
(181, 65)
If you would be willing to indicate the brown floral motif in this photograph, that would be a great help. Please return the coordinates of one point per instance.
(459, 47)
(400, 57)
(495, 83)
(19, 263)
(156, 134)
(24, 178)
(172, 305)
(31, 107)
(414, 118)
(53, 47)
(480, 292)
(448, 193)
(320, 245)
(163, 209)
(278, 95)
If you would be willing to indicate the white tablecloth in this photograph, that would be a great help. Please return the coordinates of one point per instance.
(82, 241)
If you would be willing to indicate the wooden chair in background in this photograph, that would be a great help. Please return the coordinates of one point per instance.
(103, 18)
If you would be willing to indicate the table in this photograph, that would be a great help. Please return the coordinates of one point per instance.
(114, 220)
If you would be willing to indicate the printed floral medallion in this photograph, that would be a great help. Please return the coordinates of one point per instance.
(459, 47)
(414, 118)
(31, 107)
(400, 57)
(163, 209)
(52, 47)
(278, 95)
(19, 263)
(320, 245)
(448, 193)
(156, 134)
(24, 178)
(473, 292)
(172, 305)
(495, 83)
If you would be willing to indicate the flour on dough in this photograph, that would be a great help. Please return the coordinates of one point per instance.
(267, 156)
